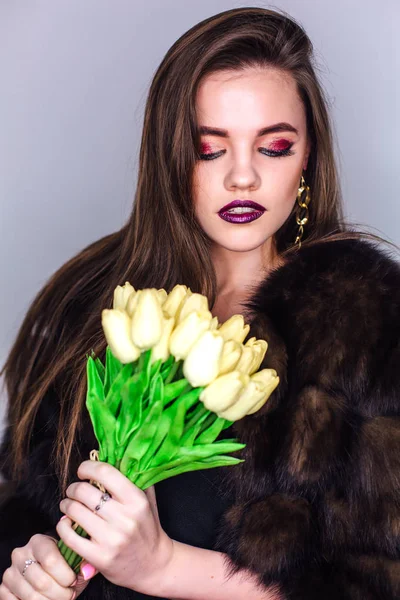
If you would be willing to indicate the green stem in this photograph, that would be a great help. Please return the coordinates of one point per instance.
(199, 412)
(72, 558)
(174, 368)
(207, 422)
(185, 390)
(140, 362)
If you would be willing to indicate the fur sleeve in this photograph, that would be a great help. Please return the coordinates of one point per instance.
(318, 496)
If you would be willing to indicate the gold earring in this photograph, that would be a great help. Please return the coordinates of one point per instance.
(302, 210)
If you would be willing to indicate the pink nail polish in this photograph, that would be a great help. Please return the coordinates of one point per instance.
(64, 517)
(88, 571)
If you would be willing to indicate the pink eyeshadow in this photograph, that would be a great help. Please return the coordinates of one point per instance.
(205, 148)
(279, 145)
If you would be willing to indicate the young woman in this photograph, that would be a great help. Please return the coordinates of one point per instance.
(235, 113)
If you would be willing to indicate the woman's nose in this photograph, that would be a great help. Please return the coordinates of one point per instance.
(242, 175)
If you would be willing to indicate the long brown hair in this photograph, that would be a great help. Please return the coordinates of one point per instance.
(162, 243)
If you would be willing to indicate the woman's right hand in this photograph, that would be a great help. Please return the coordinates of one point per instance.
(50, 578)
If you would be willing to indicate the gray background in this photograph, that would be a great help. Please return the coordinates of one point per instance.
(74, 77)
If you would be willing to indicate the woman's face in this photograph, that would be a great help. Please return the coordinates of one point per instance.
(243, 104)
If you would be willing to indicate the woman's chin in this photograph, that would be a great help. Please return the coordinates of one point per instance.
(240, 243)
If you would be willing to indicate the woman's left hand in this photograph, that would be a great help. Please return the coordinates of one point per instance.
(128, 545)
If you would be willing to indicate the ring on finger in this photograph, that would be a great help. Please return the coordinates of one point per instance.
(104, 498)
(30, 561)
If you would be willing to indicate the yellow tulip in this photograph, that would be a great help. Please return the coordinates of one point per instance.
(231, 353)
(268, 378)
(188, 332)
(259, 348)
(174, 300)
(191, 302)
(253, 396)
(147, 320)
(246, 360)
(224, 391)
(161, 350)
(116, 325)
(234, 328)
(162, 296)
(122, 293)
(132, 302)
(214, 324)
(201, 364)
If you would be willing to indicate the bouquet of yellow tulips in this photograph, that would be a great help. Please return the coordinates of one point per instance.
(173, 379)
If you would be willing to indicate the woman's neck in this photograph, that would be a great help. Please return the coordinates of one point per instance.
(238, 273)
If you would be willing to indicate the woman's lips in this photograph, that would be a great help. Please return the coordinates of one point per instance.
(245, 203)
(240, 218)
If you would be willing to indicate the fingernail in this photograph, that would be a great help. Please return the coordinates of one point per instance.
(64, 517)
(88, 571)
(73, 595)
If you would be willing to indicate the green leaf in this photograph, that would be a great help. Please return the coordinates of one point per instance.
(203, 451)
(94, 382)
(163, 428)
(175, 389)
(140, 442)
(113, 398)
(113, 367)
(156, 393)
(100, 368)
(190, 435)
(155, 368)
(166, 366)
(156, 396)
(176, 413)
(165, 472)
(130, 415)
(104, 424)
(211, 430)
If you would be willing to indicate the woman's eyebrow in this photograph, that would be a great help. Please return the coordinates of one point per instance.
(278, 127)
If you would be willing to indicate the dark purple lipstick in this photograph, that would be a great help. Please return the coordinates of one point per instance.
(243, 216)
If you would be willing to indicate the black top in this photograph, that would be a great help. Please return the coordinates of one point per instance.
(190, 505)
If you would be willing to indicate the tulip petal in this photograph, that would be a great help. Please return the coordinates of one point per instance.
(174, 300)
(187, 332)
(224, 391)
(190, 303)
(202, 362)
(116, 325)
(147, 320)
(122, 295)
(234, 328)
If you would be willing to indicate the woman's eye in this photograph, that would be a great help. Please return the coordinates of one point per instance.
(211, 155)
(277, 153)
(271, 153)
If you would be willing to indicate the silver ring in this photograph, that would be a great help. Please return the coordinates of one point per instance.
(104, 498)
(28, 562)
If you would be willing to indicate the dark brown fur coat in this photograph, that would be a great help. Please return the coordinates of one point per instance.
(316, 506)
(318, 496)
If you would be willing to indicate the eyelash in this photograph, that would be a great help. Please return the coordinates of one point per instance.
(270, 153)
